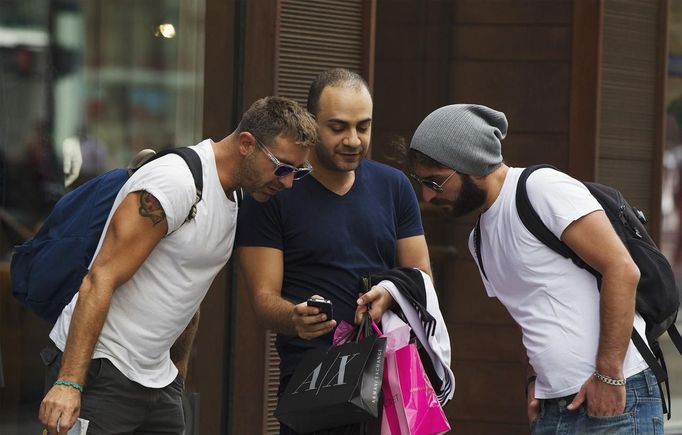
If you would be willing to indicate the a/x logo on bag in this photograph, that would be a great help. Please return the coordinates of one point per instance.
(334, 374)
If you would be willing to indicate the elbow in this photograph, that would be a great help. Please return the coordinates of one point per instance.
(633, 273)
(626, 272)
(96, 285)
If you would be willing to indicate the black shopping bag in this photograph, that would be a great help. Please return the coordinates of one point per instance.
(335, 387)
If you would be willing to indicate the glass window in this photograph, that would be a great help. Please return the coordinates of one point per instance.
(84, 85)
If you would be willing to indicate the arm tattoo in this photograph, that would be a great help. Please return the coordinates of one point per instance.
(151, 207)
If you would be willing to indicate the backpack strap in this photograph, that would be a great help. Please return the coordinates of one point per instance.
(674, 335)
(477, 246)
(193, 162)
(532, 221)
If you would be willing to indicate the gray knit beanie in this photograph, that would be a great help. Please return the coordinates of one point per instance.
(464, 137)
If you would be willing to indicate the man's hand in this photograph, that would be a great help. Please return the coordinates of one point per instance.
(73, 159)
(379, 299)
(60, 408)
(309, 322)
(533, 403)
(603, 400)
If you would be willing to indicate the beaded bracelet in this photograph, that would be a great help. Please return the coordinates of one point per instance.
(75, 385)
(609, 380)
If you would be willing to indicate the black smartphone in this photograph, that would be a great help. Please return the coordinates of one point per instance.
(325, 306)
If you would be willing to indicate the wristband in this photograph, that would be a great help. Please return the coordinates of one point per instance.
(609, 380)
(75, 385)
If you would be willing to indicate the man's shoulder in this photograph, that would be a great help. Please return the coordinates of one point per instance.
(550, 181)
(382, 170)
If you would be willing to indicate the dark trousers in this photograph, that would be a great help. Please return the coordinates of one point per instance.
(116, 405)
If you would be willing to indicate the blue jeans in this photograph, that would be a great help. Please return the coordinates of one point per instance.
(643, 413)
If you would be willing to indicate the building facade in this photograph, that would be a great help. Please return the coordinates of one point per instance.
(588, 86)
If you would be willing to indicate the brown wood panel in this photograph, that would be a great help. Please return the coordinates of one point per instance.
(467, 300)
(208, 353)
(632, 101)
(513, 42)
(522, 150)
(218, 69)
(488, 391)
(393, 91)
(534, 96)
(584, 86)
(207, 369)
(486, 428)
(246, 400)
(485, 343)
(635, 188)
(312, 38)
(512, 12)
(401, 42)
(659, 120)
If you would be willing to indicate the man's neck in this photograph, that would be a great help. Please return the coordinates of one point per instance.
(493, 185)
(339, 182)
(227, 159)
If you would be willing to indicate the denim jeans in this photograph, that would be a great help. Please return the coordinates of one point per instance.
(643, 413)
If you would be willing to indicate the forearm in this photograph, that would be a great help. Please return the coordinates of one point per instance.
(86, 324)
(182, 348)
(275, 313)
(617, 311)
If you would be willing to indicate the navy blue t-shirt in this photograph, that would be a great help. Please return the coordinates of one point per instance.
(330, 242)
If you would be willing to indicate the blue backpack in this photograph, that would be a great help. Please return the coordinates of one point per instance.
(47, 270)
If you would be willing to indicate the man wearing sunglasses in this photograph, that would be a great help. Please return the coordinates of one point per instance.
(126, 336)
(350, 217)
(588, 377)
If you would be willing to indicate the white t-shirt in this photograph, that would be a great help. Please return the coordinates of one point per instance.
(555, 303)
(150, 311)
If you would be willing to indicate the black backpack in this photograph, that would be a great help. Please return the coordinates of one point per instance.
(657, 298)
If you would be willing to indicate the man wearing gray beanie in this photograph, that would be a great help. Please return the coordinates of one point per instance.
(577, 338)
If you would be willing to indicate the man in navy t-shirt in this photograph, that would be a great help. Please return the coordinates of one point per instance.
(349, 218)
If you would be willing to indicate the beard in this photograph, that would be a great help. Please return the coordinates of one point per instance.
(471, 198)
(251, 180)
(334, 162)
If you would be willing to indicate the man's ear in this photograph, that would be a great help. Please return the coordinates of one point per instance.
(247, 143)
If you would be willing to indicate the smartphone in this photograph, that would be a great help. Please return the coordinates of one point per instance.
(325, 306)
(79, 428)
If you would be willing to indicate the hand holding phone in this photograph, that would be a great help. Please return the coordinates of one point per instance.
(325, 305)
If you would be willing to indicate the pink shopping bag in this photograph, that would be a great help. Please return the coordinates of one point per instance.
(410, 403)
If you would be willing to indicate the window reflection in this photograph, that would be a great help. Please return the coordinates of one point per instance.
(84, 85)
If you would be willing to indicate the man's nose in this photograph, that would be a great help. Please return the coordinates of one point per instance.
(287, 180)
(428, 194)
(353, 139)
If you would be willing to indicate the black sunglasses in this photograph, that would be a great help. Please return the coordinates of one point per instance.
(284, 169)
(432, 184)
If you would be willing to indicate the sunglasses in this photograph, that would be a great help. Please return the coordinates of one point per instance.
(432, 184)
(284, 169)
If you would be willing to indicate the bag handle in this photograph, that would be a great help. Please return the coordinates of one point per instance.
(367, 327)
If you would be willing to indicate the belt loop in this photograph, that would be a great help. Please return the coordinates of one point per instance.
(651, 381)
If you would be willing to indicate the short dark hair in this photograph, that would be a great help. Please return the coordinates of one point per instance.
(402, 156)
(272, 116)
(336, 77)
